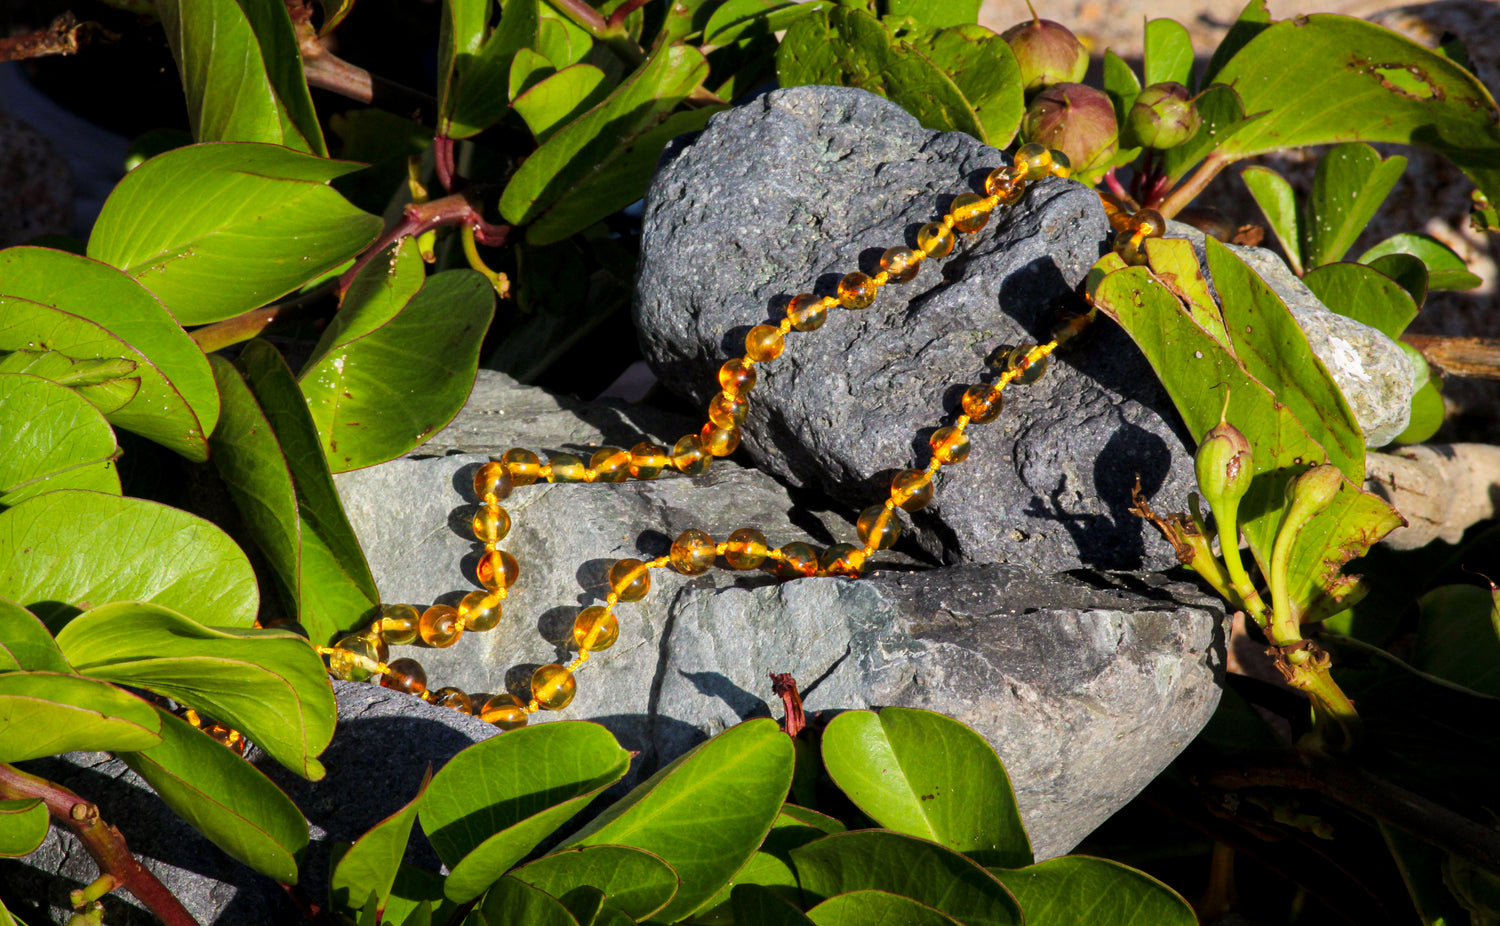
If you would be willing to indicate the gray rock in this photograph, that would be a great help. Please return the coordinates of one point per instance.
(791, 191)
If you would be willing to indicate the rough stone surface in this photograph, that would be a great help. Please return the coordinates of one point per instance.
(791, 191)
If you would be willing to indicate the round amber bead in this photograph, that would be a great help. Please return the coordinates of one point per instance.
(806, 312)
(480, 610)
(648, 460)
(1131, 251)
(693, 553)
(1034, 160)
(398, 624)
(950, 445)
(405, 675)
(491, 523)
(690, 457)
(1004, 184)
(746, 548)
(878, 527)
(595, 629)
(524, 466)
(553, 687)
(566, 467)
(843, 559)
(856, 291)
(493, 479)
(504, 711)
(1016, 358)
(737, 377)
(454, 699)
(356, 656)
(719, 441)
(728, 411)
(611, 464)
(798, 560)
(982, 402)
(1148, 223)
(439, 627)
(969, 214)
(901, 263)
(1061, 165)
(497, 569)
(763, 343)
(936, 239)
(629, 579)
(911, 489)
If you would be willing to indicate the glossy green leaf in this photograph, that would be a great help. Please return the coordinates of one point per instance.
(771, 865)
(513, 901)
(1254, 19)
(737, 19)
(937, 13)
(559, 39)
(752, 903)
(269, 685)
(282, 53)
(1350, 184)
(1224, 116)
(528, 69)
(705, 813)
(106, 383)
(1409, 273)
(7, 918)
(1080, 889)
(287, 227)
(632, 880)
(480, 98)
(494, 801)
(224, 797)
(1278, 203)
(1445, 269)
(1168, 53)
(54, 440)
(461, 34)
(46, 713)
(372, 863)
(876, 908)
(1175, 265)
(1363, 294)
(25, 642)
(415, 895)
(1427, 412)
(1120, 85)
(23, 826)
(1354, 521)
(1458, 638)
(927, 775)
(612, 916)
(984, 69)
(155, 553)
(560, 98)
(923, 871)
(393, 369)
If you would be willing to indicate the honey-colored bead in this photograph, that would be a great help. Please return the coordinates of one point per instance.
(806, 312)
(629, 579)
(737, 377)
(982, 402)
(480, 610)
(611, 464)
(595, 629)
(746, 548)
(843, 559)
(504, 711)
(950, 445)
(720, 442)
(901, 263)
(1034, 161)
(648, 460)
(763, 343)
(398, 624)
(799, 560)
(1061, 165)
(493, 479)
(969, 214)
(356, 655)
(690, 457)
(856, 291)
(454, 699)
(405, 675)
(1130, 250)
(728, 411)
(491, 523)
(439, 627)
(936, 239)
(1005, 184)
(878, 527)
(1016, 358)
(911, 489)
(553, 687)
(1070, 324)
(1148, 223)
(693, 553)
(566, 467)
(497, 569)
(523, 465)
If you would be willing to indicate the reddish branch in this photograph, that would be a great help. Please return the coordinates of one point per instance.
(785, 688)
(64, 37)
(458, 209)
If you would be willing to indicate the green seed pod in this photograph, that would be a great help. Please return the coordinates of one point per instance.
(1311, 492)
(1163, 116)
(1223, 467)
(1047, 53)
(1075, 119)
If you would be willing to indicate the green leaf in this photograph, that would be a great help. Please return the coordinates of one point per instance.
(771, 865)
(1458, 638)
(876, 908)
(585, 903)
(1421, 866)
(1273, 194)
(984, 69)
(155, 553)
(1445, 269)
(494, 801)
(1175, 265)
(224, 797)
(371, 864)
(283, 59)
(46, 713)
(737, 19)
(632, 880)
(705, 813)
(527, 70)
(208, 262)
(1120, 84)
(1252, 21)
(937, 13)
(480, 97)
(269, 685)
(512, 901)
(23, 826)
(54, 440)
(923, 871)
(1427, 412)
(394, 368)
(1350, 184)
(1224, 116)
(1168, 53)
(460, 37)
(1363, 294)
(1409, 273)
(25, 642)
(106, 383)
(752, 903)
(559, 40)
(1347, 528)
(334, 12)
(555, 101)
(1077, 888)
(417, 898)
(926, 775)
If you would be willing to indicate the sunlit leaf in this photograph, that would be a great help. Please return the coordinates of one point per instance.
(46, 713)
(372, 863)
(1445, 269)
(1274, 195)
(1350, 184)
(54, 440)
(23, 826)
(1168, 53)
(1077, 888)
(25, 642)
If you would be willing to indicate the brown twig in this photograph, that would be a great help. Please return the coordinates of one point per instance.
(63, 37)
(327, 71)
(1189, 189)
(785, 688)
(1476, 357)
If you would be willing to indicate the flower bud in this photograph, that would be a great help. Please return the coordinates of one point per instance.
(1075, 119)
(1313, 491)
(1047, 53)
(1223, 465)
(1163, 116)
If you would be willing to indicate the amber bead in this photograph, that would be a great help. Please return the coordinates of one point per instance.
(746, 548)
(842, 559)
(982, 402)
(497, 569)
(493, 479)
(480, 610)
(1148, 223)
(629, 579)
(950, 445)
(878, 527)
(553, 687)
(439, 627)
(566, 467)
(595, 629)
(728, 411)
(1005, 184)
(1061, 165)
(355, 657)
(405, 675)
(901, 263)
(969, 214)
(1070, 324)
(806, 312)
(911, 489)
(610, 464)
(763, 343)
(1016, 358)
(693, 553)
(1131, 251)
(798, 560)
(737, 377)
(648, 460)
(690, 457)
(1034, 161)
(936, 239)
(491, 523)
(504, 711)
(524, 466)
(398, 624)
(719, 441)
(453, 698)
(856, 291)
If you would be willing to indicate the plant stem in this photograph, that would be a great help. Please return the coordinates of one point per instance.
(328, 71)
(64, 36)
(1188, 190)
(455, 209)
(102, 841)
(611, 32)
(245, 326)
